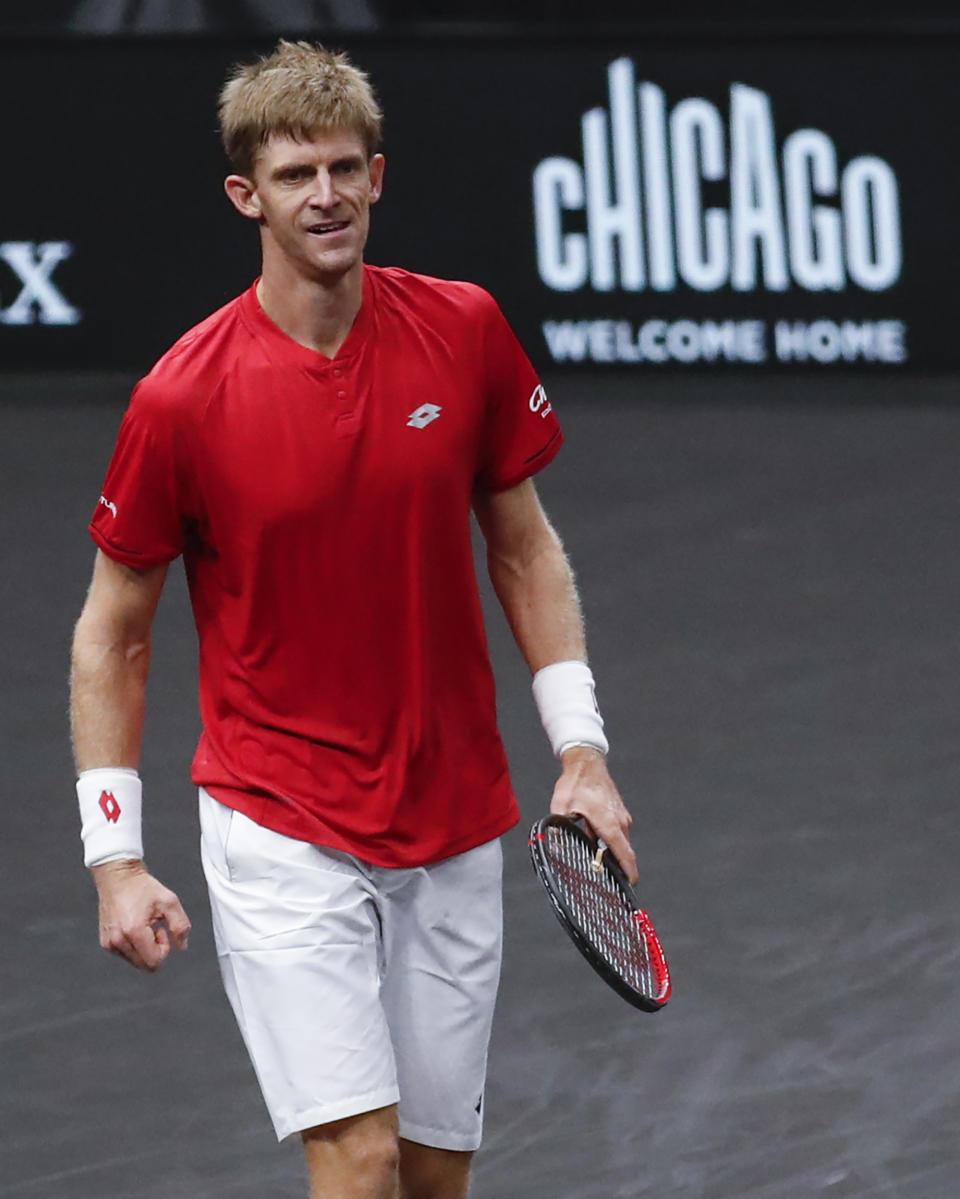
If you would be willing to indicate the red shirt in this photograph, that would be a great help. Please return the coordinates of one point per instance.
(322, 507)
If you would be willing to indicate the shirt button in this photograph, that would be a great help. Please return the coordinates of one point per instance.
(337, 371)
(341, 395)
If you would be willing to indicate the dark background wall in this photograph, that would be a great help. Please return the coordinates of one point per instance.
(232, 16)
(763, 199)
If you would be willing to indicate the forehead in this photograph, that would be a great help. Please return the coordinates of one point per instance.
(325, 145)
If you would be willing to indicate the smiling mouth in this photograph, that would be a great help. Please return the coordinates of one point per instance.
(325, 228)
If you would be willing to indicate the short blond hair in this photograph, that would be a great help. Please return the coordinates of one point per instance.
(297, 91)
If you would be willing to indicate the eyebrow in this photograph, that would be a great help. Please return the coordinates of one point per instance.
(297, 168)
(290, 168)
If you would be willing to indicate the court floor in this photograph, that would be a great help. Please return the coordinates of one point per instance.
(771, 577)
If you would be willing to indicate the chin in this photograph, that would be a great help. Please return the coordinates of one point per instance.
(333, 263)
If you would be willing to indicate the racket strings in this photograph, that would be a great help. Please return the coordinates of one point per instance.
(605, 915)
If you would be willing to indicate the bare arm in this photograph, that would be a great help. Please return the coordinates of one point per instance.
(111, 658)
(535, 585)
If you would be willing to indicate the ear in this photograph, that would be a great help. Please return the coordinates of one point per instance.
(242, 193)
(377, 164)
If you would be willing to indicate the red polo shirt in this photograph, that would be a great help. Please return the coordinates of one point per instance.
(322, 507)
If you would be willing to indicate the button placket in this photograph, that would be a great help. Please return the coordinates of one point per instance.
(347, 404)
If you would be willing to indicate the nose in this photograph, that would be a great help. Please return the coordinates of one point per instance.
(323, 194)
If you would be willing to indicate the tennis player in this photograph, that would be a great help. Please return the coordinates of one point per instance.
(314, 451)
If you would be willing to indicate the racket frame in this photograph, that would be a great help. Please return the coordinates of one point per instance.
(606, 860)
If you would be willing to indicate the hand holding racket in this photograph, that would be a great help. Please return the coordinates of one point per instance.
(600, 911)
(585, 791)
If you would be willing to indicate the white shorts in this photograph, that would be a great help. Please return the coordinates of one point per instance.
(357, 986)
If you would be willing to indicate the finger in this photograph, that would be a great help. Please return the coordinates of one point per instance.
(589, 826)
(178, 923)
(122, 947)
(623, 852)
(127, 956)
(151, 950)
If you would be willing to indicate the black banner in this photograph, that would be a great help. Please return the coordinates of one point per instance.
(747, 202)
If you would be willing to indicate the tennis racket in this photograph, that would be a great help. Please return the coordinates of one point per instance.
(600, 912)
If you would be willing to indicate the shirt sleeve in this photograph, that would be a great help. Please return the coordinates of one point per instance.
(139, 517)
(522, 433)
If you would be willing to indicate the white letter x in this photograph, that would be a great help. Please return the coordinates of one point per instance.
(33, 266)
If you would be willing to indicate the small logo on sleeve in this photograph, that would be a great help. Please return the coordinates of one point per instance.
(539, 402)
(108, 504)
(422, 416)
(109, 806)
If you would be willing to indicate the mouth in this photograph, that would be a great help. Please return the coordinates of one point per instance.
(326, 228)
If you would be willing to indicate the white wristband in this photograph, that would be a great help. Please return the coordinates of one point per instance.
(110, 814)
(565, 698)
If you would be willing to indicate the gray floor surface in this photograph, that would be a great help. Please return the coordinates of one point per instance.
(771, 578)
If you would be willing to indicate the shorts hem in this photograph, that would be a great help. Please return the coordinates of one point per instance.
(440, 1138)
(326, 1113)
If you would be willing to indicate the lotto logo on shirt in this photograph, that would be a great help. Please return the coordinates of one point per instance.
(424, 415)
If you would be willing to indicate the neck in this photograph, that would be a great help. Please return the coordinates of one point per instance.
(317, 313)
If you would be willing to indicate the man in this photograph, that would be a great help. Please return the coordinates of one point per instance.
(314, 451)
